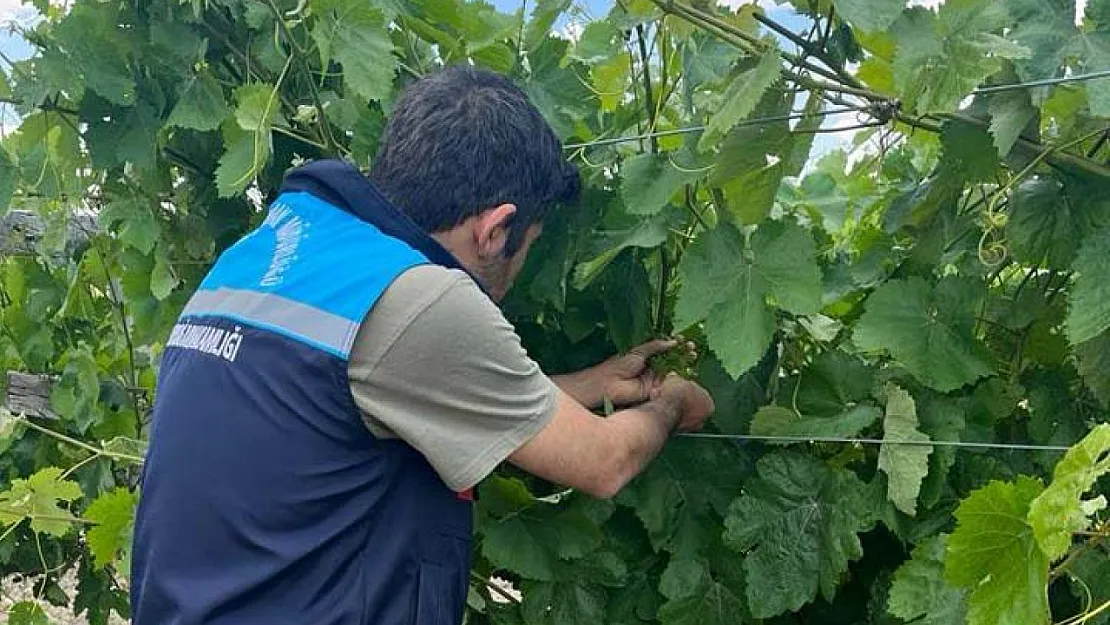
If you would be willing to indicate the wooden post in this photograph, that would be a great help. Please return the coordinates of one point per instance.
(29, 395)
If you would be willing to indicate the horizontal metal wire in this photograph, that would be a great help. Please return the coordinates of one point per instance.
(747, 122)
(778, 118)
(1046, 82)
(872, 441)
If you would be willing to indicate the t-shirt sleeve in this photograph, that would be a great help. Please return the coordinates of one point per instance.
(437, 365)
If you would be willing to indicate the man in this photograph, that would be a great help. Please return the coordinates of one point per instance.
(342, 380)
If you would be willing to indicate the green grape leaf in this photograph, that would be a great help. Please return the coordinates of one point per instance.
(8, 179)
(530, 536)
(677, 498)
(98, 595)
(784, 256)
(135, 221)
(798, 523)
(740, 329)
(993, 552)
(918, 592)
(97, 50)
(113, 513)
(248, 142)
(8, 424)
(684, 577)
(779, 421)
(926, 329)
(744, 151)
(967, 155)
(497, 57)
(834, 382)
(37, 498)
(543, 19)
(716, 605)
(599, 41)
(245, 154)
(648, 181)
(354, 33)
(610, 80)
(869, 15)
(163, 280)
(1011, 112)
(942, 56)
(27, 613)
(1049, 31)
(905, 465)
(943, 420)
(258, 107)
(1094, 366)
(564, 603)
(624, 232)
(1060, 511)
(122, 137)
(721, 285)
(1097, 48)
(201, 105)
(741, 97)
(1089, 299)
(1043, 225)
(708, 267)
(1054, 417)
(74, 397)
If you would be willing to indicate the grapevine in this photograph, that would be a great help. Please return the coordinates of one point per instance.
(939, 275)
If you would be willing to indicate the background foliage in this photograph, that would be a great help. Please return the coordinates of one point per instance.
(946, 280)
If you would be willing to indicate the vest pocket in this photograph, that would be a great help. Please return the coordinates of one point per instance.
(438, 599)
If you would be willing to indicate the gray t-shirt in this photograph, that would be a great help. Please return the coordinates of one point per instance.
(436, 363)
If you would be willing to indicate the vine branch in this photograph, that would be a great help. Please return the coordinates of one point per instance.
(100, 451)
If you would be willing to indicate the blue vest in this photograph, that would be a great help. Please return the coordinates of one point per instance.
(265, 499)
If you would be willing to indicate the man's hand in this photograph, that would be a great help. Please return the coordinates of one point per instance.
(692, 402)
(624, 380)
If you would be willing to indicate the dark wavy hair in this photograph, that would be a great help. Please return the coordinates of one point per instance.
(462, 141)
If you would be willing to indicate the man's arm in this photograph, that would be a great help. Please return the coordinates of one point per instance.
(600, 455)
(437, 365)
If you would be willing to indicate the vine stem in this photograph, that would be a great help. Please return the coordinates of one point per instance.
(664, 277)
(78, 443)
(293, 134)
(648, 95)
(11, 528)
(1059, 569)
(295, 52)
(1040, 158)
(121, 309)
(1079, 619)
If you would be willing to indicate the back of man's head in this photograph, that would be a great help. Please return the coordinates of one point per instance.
(464, 140)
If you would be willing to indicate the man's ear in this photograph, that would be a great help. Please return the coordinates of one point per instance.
(491, 230)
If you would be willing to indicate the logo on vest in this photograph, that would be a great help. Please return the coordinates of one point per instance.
(207, 339)
(289, 230)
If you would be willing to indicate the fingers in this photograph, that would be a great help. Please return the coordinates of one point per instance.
(651, 348)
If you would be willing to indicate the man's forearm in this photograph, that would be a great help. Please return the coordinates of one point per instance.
(582, 386)
(644, 430)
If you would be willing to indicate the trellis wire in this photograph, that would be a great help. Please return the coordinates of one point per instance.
(686, 130)
(872, 441)
(1046, 82)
